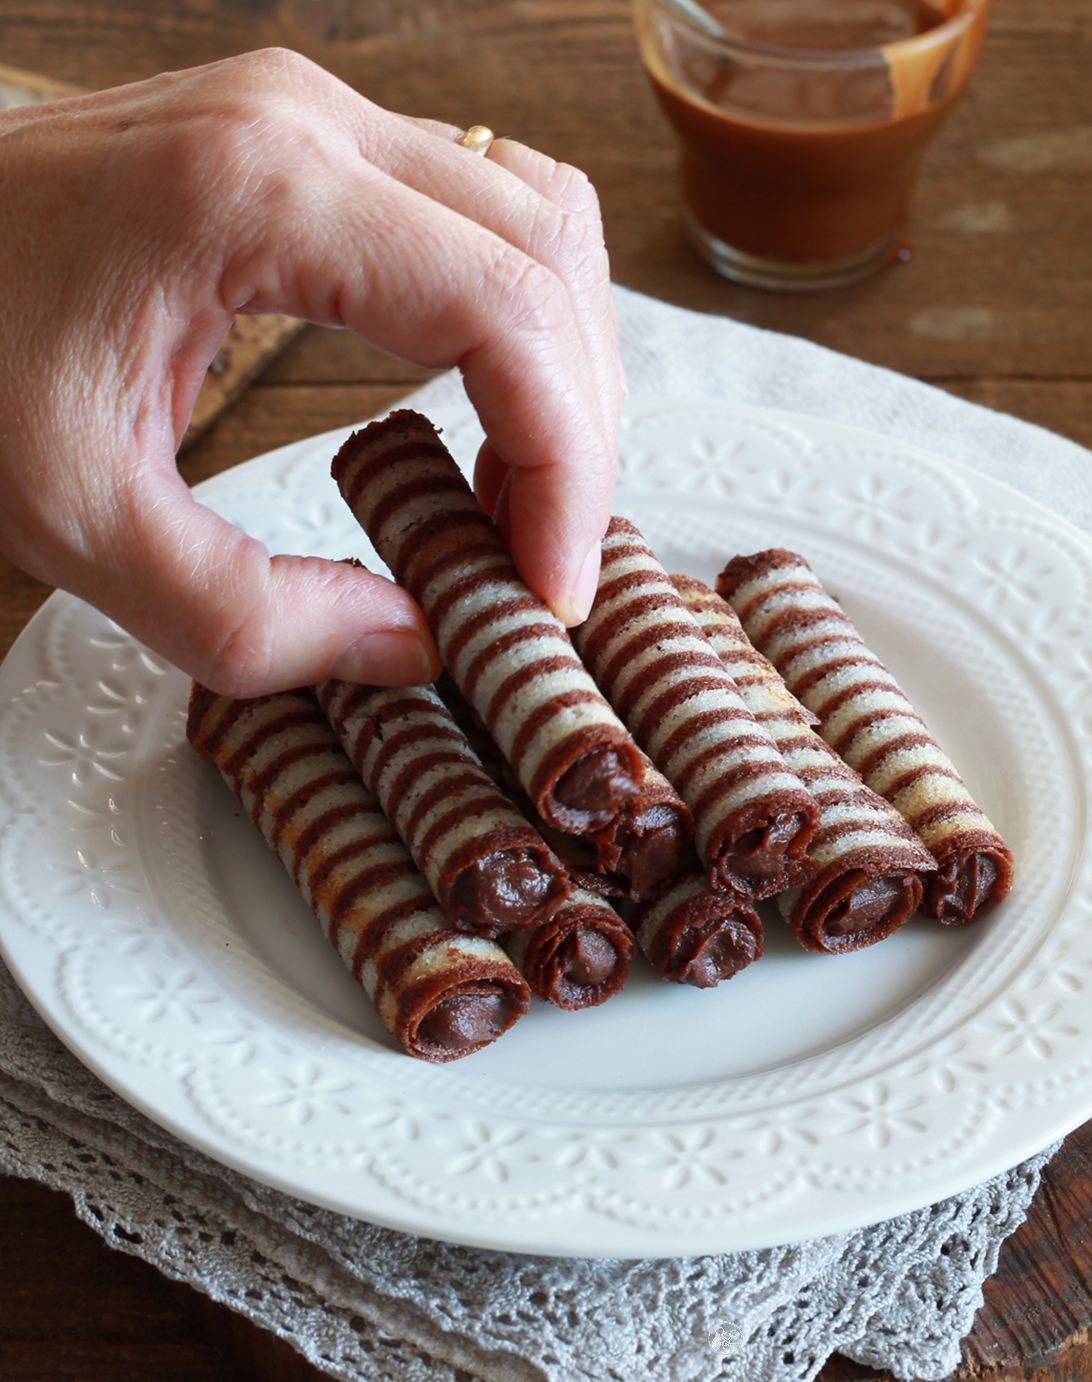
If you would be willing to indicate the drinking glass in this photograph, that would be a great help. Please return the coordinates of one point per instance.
(798, 162)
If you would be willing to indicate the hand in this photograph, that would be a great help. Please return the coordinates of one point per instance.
(135, 223)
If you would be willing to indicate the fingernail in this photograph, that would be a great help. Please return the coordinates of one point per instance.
(387, 659)
(587, 583)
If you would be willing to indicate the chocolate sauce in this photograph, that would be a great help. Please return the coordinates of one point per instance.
(824, 25)
(805, 144)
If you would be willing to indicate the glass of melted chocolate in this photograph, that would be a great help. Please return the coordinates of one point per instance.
(802, 124)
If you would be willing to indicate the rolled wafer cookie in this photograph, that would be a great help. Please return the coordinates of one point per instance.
(508, 654)
(695, 935)
(490, 871)
(871, 865)
(441, 993)
(868, 721)
(579, 957)
(752, 817)
(648, 841)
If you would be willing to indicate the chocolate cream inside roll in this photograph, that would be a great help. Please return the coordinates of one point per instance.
(579, 957)
(967, 884)
(704, 955)
(464, 1022)
(651, 847)
(597, 786)
(649, 841)
(856, 909)
(693, 935)
(758, 843)
(588, 957)
(504, 890)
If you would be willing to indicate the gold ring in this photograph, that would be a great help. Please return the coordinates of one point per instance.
(477, 139)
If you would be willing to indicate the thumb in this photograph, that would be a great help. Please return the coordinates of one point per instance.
(215, 603)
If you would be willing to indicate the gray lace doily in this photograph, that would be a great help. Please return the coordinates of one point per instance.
(364, 1302)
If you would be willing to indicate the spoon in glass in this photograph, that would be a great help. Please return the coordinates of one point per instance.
(698, 16)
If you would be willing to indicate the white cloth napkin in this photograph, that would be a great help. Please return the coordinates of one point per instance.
(363, 1302)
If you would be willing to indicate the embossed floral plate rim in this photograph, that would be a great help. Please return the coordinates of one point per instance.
(115, 919)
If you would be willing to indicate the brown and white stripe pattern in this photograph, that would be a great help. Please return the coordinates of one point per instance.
(694, 935)
(752, 818)
(508, 654)
(490, 871)
(647, 842)
(441, 993)
(871, 865)
(867, 719)
(577, 959)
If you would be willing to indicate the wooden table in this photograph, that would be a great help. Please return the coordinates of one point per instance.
(995, 305)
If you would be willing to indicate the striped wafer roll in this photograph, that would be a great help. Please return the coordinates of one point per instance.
(868, 721)
(752, 818)
(508, 654)
(646, 843)
(490, 871)
(577, 959)
(441, 993)
(694, 935)
(871, 864)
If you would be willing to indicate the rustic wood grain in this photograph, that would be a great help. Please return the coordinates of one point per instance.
(75, 1309)
(1034, 1322)
(994, 306)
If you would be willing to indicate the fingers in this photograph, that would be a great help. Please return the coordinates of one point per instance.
(230, 188)
(567, 187)
(244, 624)
(568, 240)
(429, 284)
(547, 209)
(553, 217)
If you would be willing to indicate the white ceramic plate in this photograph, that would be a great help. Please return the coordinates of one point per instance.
(162, 941)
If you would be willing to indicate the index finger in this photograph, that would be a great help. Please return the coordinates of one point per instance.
(571, 245)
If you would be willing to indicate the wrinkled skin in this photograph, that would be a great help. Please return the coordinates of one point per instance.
(135, 223)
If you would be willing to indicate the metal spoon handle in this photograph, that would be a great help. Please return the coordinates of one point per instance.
(698, 16)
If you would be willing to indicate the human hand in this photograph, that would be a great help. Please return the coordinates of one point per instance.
(135, 223)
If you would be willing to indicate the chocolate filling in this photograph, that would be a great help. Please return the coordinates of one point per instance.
(864, 907)
(758, 852)
(651, 847)
(503, 890)
(769, 857)
(464, 1021)
(598, 784)
(715, 956)
(592, 958)
(959, 890)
